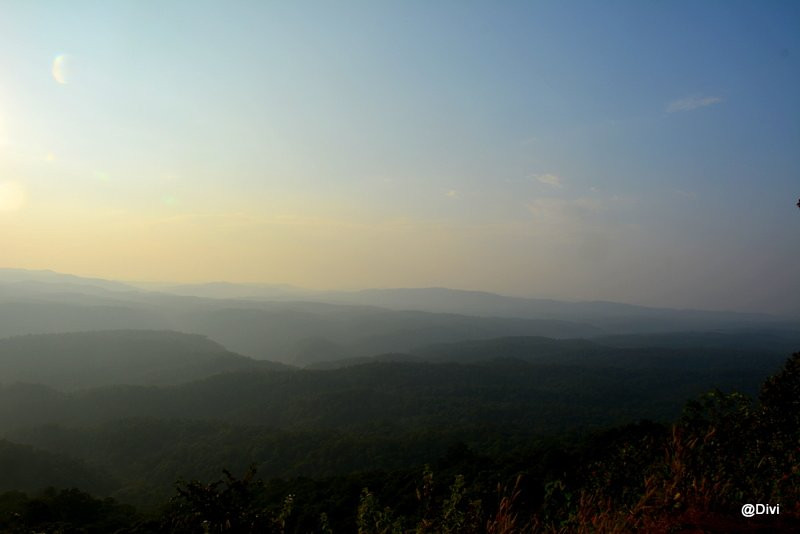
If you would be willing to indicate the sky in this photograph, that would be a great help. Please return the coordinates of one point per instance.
(642, 152)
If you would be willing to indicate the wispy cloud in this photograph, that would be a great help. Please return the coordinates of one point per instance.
(692, 102)
(552, 180)
(558, 211)
(576, 212)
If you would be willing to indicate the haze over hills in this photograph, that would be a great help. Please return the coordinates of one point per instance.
(710, 352)
(137, 357)
(124, 339)
(295, 333)
(45, 280)
(612, 316)
(125, 389)
(540, 396)
(340, 338)
(384, 415)
(228, 290)
(327, 326)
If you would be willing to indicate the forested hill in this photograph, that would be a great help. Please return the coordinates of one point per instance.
(337, 422)
(25, 468)
(543, 398)
(139, 357)
(695, 351)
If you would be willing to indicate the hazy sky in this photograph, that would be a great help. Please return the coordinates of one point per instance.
(646, 152)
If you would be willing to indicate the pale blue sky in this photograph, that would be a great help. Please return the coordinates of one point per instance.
(645, 152)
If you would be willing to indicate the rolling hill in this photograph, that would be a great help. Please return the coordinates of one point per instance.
(135, 357)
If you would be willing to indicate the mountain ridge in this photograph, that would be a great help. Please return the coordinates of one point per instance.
(77, 360)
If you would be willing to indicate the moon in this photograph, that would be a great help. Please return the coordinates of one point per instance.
(62, 68)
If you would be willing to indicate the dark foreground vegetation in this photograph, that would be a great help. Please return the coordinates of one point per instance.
(694, 475)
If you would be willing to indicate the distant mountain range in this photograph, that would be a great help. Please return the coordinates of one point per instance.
(606, 315)
(298, 327)
(53, 281)
(480, 303)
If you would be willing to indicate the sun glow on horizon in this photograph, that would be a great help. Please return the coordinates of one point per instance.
(548, 155)
(12, 196)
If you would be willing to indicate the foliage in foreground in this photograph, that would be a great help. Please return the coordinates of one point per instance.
(725, 451)
(65, 512)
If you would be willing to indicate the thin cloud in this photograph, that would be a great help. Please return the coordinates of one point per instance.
(558, 211)
(549, 179)
(692, 102)
(574, 212)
